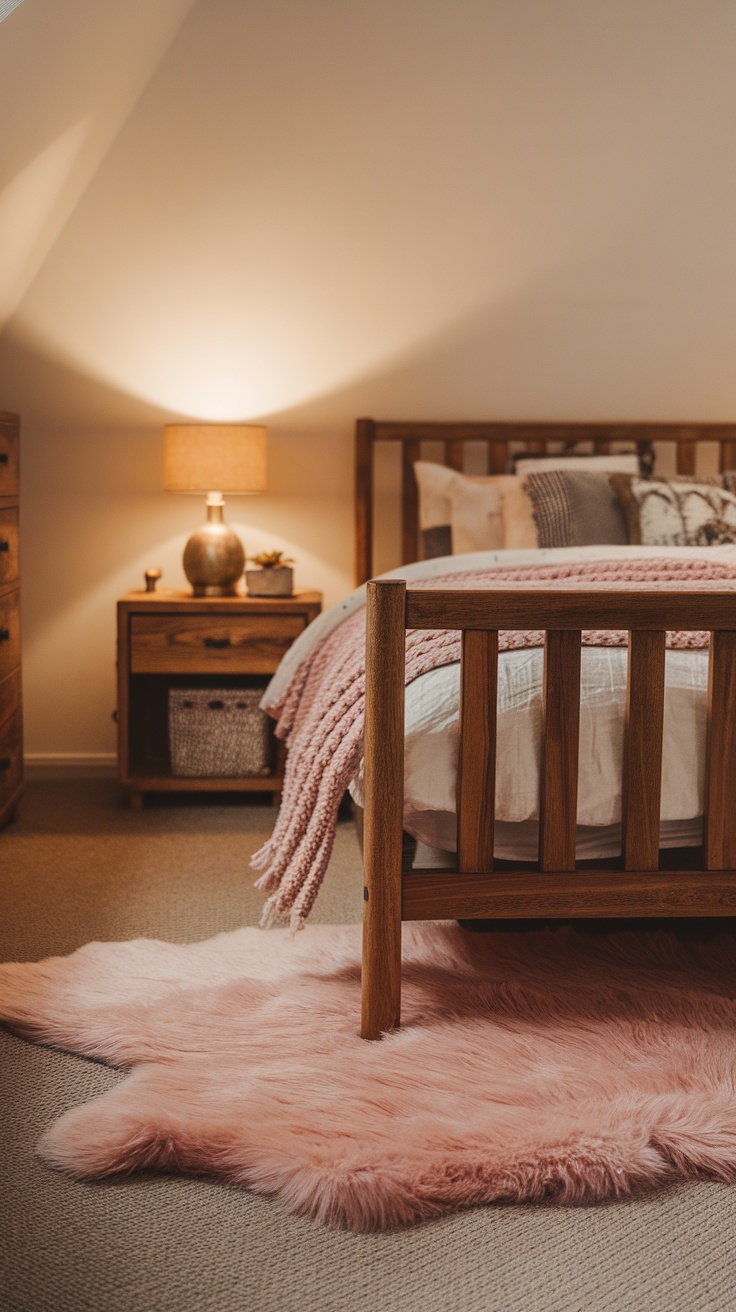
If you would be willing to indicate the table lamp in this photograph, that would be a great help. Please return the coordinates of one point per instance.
(214, 458)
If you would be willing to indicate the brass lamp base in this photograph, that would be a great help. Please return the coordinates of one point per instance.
(214, 558)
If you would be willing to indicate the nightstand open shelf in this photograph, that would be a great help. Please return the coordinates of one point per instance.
(173, 640)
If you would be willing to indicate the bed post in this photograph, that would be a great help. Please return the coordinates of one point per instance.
(384, 806)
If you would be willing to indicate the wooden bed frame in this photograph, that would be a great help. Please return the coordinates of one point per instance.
(643, 881)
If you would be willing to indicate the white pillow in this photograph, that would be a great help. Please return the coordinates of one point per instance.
(476, 512)
(470, 505)
(519, 524)
(433, 482)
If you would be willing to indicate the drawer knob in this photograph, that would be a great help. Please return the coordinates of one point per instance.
(4, 635)
(217, 642)
(3, 457)
(4, 546)
(5, 764)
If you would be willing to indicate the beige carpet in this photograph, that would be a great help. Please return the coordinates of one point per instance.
(77, 867)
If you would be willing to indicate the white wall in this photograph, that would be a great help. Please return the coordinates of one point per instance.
(495, 208)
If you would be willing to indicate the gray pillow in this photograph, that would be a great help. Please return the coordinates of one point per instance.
(576, 509)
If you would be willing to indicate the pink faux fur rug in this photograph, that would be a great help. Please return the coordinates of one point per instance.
(547, 1066)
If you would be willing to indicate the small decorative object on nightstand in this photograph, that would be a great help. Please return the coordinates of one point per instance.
(274, 576)
(172, 641)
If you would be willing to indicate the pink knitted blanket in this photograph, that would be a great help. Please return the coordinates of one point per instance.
(321, 713)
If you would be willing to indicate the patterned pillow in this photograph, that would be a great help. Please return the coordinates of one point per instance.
(575, 509)
(677, 512)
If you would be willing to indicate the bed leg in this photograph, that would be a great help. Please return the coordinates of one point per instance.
(384, 807)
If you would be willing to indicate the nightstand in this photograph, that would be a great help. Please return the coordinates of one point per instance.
(170, 639)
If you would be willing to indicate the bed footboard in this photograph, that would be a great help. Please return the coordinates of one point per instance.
(554, 887)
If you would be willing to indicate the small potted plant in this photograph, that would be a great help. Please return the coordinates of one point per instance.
(274, 576)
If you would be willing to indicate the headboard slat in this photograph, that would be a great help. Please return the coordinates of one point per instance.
(499, 437)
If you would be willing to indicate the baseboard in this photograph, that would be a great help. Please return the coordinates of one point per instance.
(70, 765)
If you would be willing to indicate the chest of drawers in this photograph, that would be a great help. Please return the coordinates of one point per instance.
(11, 715)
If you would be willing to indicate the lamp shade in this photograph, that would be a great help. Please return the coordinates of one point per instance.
(214, 458)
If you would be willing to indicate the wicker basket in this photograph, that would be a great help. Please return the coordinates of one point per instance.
(218, 733)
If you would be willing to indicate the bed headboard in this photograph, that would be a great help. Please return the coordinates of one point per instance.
(501, 440)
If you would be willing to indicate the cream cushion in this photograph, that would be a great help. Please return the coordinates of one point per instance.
(471, 505)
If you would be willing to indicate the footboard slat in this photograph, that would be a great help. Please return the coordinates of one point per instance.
(642, 765)
(384, 806)
(513, 895)
(476, 787)
(720, 756)
(558, 782)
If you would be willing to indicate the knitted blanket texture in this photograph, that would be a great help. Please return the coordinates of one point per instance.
(321, 713)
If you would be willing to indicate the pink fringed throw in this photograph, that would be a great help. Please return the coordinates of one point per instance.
(321, 713)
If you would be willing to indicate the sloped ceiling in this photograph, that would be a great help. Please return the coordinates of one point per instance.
(69, 76)
(241, 210)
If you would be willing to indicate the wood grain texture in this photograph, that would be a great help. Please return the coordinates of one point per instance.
(476, 785)
(159, 783)
(11, 762)
(409, 504)
(686, 456)
(10, 694)
(171, 601)
(9, 632)
(205, 644)
(9, 561)
(727, 455)
(455, 455)
(433, 895)
(558, 777)
(642, 763)
(596, 607)
(174, 626)
(364, 442)
(384, 806)
(9, 455)
(498, 457)
(720, 755)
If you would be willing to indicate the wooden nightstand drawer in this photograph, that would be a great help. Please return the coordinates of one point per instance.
(8, 546)
(206, 644)
(9, 632)
(11, 757)
(9, 483)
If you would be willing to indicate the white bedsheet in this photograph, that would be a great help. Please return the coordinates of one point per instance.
(432, 724)
(432, 743)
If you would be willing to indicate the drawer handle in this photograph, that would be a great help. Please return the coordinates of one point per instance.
(3, 457)
(217, 642)
(4, 546)
(4, 635)
(5, 764)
